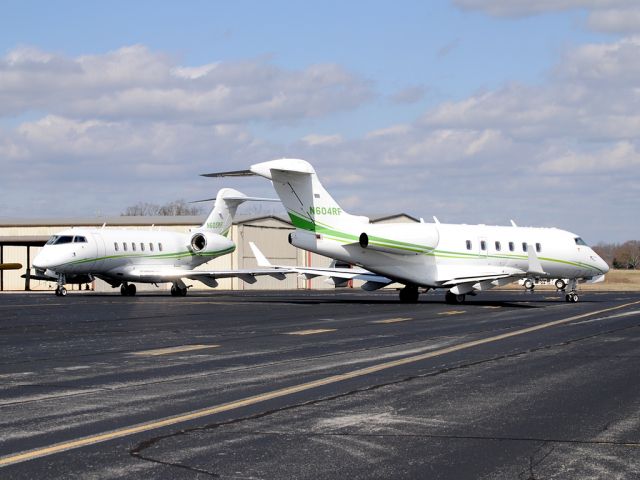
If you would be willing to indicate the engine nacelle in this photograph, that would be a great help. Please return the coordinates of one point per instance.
(210, 244)
(401, 239)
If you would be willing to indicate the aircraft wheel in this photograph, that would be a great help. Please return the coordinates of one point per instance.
(528, 284)
(453, 299)
(409, 294)
(123, 289)
(571, 297)
(57, 291)
(63, 292)
(560, 284)
(174, 291)
(183, 292)
(131, 289)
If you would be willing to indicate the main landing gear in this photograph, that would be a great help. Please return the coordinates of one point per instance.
(60, 290)
(409, 294)
(453, 299)
(127, 289)
(178, 291)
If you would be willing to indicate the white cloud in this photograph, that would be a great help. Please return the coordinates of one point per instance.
(412, 94)
(314, 139)
(612, 16)
(616, 20)
(620, 156)
(516, 8)
(135, 83)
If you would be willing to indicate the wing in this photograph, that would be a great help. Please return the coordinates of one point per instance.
(339, 276)
(465, 279)
(208, 277)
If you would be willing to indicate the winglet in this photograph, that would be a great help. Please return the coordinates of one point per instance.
(534, 262)
(513, 224)
(262, 260)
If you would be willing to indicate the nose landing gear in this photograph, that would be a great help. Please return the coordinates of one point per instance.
(572, 296)
(60, 290)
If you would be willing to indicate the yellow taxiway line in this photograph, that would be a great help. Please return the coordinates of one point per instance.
(166, 351)
(311, 332)
(282, 392)
(393, 320)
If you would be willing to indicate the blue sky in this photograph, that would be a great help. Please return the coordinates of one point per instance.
(405, 86)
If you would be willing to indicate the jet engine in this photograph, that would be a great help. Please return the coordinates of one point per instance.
(402, 239)
(207, 243)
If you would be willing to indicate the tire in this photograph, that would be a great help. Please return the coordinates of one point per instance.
(560, 284)
(63, 292)
(528, 284)
(453, 299)
(124, 290)
(409, 294)
(131, 289)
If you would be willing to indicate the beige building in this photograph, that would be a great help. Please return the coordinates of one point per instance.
(21, 240)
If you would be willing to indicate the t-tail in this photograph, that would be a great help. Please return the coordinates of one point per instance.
(221, 216)
(308, 204)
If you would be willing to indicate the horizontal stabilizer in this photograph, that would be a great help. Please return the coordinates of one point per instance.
(240, 199)
(231, 173)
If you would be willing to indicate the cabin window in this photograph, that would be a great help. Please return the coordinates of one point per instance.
(159, 247)
(115, 246)
(150, 246)
(580, 241)
(133, 246)
(63, 239)
(468, 244)
(511, 247)
(141, 247)
(524, 246)
(124, 246)
(79, 239)
(538, 247)
(483, 245)
(498, 246)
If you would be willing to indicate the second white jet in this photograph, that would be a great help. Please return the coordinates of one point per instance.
(121, 257)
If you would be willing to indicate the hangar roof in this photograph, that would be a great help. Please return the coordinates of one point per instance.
(127, 221)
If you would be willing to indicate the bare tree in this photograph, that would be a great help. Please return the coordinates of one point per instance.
(627, 255)
(175, 208)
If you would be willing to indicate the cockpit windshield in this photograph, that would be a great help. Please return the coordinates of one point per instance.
(60, 239)
(580, 241)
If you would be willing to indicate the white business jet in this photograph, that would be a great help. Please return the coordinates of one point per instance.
(463, 259)
(120, 256)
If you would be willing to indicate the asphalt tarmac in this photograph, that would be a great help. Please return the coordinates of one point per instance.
(314, 385)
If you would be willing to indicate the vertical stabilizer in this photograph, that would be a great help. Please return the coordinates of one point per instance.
(221, 216)
(308, 204)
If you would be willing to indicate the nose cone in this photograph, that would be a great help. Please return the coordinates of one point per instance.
(602, 265)
(43, 260)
